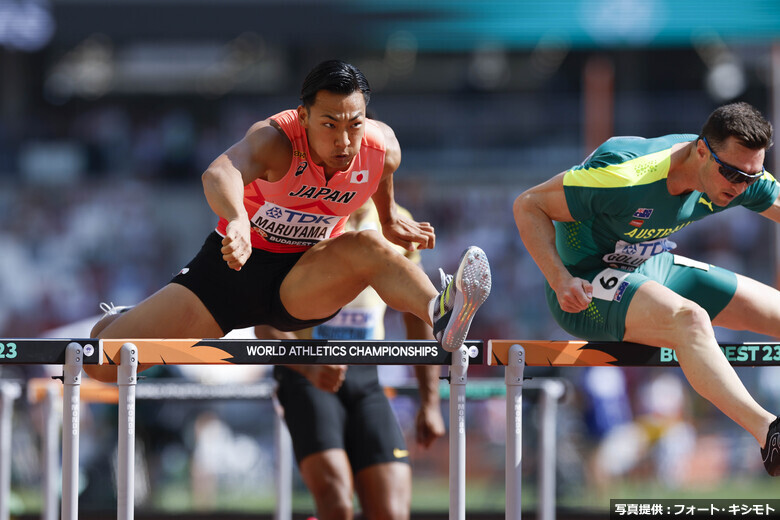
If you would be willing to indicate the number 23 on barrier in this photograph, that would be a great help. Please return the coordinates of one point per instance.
(7, 350)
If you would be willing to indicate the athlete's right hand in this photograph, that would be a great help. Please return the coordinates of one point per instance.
(327, 378)
(574, 294)
(237, 243)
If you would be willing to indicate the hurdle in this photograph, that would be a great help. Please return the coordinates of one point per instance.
(127, 354)
(42, 391)
(9, 393)
(515, 355)
(72, 354)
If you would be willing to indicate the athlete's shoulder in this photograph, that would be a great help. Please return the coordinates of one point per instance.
(626, 161)
(380, 136)
(617, 150)
(267, 135)
(286, 117)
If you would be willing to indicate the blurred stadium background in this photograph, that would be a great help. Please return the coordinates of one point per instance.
(111, 109)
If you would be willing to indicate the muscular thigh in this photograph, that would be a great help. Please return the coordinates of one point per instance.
(172, 312)
(709, 286)
(329, 275)
(755, 307)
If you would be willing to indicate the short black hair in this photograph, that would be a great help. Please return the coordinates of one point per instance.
(334, 76)
(741, 121)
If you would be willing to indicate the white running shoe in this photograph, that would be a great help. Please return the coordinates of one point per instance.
(109, 309)
(461, 296)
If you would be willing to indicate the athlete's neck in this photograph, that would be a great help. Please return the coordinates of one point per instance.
(682, 169)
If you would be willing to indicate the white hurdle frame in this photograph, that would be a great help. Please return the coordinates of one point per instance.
(127, 380)
(9, 393)
(552, 390)
(184, 391)
(563, 354)
(72, 354)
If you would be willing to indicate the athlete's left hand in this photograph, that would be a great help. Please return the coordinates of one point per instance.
(237, 243)
(407, 232)
(429, 425)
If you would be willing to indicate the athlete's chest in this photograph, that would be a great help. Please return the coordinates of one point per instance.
(653, 215)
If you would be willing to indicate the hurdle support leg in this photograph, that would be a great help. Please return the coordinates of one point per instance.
(126, 381)
(283, 469)
(9, 392)
(552, 390)
(458, 369)
(71, 409)
(50, 461)
(513, 377)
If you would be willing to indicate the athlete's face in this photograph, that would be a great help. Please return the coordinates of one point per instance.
(334, 125)
(720, 190)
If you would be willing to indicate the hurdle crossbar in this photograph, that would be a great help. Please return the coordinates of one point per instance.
(515, 355)
(623, 353)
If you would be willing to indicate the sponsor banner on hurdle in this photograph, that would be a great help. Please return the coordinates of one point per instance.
(33, 351)
(600, 353)
(287, 352)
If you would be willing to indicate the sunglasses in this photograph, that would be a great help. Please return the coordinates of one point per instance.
(731, 174)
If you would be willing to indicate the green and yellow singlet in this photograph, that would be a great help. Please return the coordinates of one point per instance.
(623, 218)
(622, 207)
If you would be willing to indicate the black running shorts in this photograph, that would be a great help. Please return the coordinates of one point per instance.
(357, 419)
(244, 298)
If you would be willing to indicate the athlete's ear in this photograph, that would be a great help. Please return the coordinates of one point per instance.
(303, 115)
(701, 148)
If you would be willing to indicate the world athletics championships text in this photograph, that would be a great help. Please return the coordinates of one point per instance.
(343, 350)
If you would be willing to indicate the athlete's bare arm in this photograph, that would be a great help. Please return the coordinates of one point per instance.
(396, 228)
(773, 213)
(429, 423)
(264, 153)
(534, 211)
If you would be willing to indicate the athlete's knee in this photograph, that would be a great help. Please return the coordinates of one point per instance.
(333, 495)
(363, 240)
(102, 323)
(691, 322)
(363, 249)
(333, 506)
(392, 508)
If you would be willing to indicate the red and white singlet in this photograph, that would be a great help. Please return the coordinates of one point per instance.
(302, 208)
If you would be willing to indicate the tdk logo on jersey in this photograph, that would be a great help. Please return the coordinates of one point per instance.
(643, 213)
(297, 217)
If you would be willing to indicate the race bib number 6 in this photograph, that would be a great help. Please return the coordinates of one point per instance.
(609, 284)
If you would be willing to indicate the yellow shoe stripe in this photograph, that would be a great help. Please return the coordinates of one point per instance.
(443, 298)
